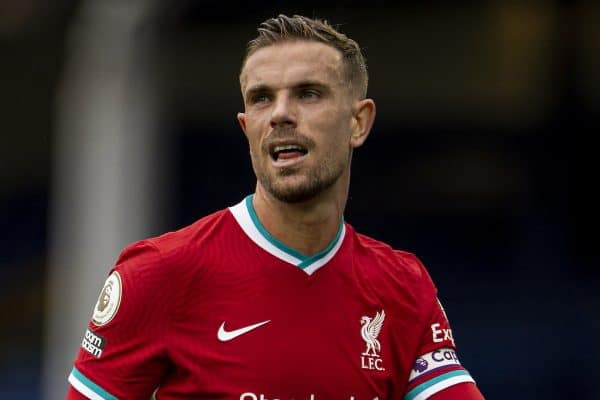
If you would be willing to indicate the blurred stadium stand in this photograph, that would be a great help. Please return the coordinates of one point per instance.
(481, 162)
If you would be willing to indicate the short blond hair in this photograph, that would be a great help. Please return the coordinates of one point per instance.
(284, 28)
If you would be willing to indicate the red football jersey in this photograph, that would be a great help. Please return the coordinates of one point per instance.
(222, 310)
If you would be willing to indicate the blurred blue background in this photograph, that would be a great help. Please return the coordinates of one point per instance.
(480, 161)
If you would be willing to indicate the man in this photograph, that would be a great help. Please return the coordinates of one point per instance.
(277, 297)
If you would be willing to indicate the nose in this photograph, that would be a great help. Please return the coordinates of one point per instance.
(283, 112)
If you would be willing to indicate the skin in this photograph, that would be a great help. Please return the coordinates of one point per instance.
(295, 93)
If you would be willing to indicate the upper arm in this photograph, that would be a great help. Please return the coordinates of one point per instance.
(122, 354)
(437, 370)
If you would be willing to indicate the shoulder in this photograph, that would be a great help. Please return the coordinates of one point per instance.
(388, 260)
(160, 270)
(201, 233)
(174, 252)
(394, 276)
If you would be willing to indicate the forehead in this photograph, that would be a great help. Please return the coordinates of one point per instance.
(292, 61)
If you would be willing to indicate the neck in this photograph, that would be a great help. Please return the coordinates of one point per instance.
(307, 227)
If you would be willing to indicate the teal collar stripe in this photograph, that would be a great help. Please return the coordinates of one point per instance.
(312, 259)
(267, 235)
(97, 391)
(304, 260)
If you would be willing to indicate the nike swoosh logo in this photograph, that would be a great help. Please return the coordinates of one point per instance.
(225, 336)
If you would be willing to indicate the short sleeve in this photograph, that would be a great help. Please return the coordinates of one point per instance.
(438, 332)
(122, 352)
(437, 367)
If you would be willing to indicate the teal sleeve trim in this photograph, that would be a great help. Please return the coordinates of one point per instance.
(92, 386)
(427, 384)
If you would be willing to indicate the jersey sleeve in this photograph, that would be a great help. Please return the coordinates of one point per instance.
(73, 394)
(122, 353)
(437, 367)
(462, 391)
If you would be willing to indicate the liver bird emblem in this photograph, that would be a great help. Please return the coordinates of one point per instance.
(369, 332)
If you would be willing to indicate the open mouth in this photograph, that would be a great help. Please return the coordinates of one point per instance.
(287, 152)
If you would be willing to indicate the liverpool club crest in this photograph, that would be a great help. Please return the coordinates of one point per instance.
(371, 358)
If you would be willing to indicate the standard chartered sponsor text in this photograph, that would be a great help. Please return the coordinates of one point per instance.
(312, 396)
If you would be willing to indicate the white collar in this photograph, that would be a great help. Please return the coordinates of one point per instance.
(246, 217)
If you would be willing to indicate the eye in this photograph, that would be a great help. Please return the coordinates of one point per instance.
(259, 98)
(310, 94)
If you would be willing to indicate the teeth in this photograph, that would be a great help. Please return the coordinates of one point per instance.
(287, 147)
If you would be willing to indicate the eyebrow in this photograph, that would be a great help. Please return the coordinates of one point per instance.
(261, 88)
(257, 89)
(309, 83)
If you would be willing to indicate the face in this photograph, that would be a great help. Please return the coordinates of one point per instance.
(300, 119)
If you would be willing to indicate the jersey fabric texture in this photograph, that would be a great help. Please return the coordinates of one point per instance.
(222, 310)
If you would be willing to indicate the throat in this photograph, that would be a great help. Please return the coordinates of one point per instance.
(308, 229)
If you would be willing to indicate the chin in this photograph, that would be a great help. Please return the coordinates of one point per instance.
(296, 192)
(294, 197)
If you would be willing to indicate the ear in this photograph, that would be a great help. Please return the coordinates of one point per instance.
(241, 117)
(363, 115)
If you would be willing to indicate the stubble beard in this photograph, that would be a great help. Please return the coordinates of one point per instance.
(307, 185)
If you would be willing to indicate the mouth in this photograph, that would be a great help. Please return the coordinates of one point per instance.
(287, 152)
